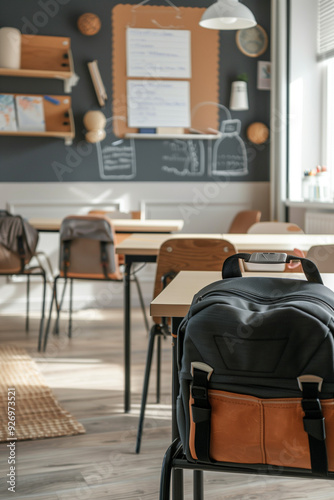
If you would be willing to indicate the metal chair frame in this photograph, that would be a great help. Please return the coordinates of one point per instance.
(27, 272)
(59, 304)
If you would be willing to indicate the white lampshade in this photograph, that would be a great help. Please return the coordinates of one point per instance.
(239, 97)
(227, 15)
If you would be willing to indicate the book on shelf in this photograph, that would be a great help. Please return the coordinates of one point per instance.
(30, 113)
(7, 113)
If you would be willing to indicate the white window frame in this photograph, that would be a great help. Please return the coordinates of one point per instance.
(328, 119)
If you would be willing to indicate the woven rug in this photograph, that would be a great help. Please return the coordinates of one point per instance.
(37, 412)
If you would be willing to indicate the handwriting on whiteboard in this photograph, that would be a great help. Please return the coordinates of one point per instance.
(155, 53)
(158, 103)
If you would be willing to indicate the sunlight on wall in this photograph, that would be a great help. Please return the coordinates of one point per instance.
(296, 120)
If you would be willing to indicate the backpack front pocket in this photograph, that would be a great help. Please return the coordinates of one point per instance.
(246, 429)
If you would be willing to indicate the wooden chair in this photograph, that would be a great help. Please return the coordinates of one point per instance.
(274, 228)
(178, 254)
(244, 220)
(119, 237)
(87, 252)
(323, 257)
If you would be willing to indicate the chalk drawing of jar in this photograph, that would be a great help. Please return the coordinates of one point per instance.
(229, 156)
(116, 157)
(183, 158)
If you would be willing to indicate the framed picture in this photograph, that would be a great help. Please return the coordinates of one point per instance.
(263, 75)
(252, 41)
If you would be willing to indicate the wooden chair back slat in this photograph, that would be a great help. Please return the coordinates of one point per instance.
(244, 220)
(190, 254)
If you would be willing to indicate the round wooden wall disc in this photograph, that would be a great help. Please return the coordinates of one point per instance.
(257, 133)
(89, 24)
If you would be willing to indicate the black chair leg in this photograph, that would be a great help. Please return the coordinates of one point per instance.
(198, 485)
(41, 325)
(54, 294)
(154, 331)
(158, 368)
(28, 303)
(166, 471)
(71, 305)
(142, 304)
(59, 306)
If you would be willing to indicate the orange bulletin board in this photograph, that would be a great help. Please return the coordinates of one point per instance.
(204, 83)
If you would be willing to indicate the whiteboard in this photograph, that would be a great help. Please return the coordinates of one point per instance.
(158, 103)
(158, 53)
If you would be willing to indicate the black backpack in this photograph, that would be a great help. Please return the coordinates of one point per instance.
(256, 371)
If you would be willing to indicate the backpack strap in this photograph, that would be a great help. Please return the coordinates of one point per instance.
(104, 258)
(314, 422)
(201, 409)
(22, 255)
(66, 255)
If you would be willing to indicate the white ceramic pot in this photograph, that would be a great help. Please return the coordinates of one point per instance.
(10, 48)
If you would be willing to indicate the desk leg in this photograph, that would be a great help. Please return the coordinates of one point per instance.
(177, 474)
(127, 338)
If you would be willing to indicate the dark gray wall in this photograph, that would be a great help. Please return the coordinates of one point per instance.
(49, 160)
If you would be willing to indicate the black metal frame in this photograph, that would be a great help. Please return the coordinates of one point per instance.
(27, 272)
(157, 331)
(59, 304)
(129, 261)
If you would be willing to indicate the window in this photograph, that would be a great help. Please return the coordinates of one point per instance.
(328, 114)
(311, 101)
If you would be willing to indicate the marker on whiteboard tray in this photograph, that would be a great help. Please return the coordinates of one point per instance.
(52, 99)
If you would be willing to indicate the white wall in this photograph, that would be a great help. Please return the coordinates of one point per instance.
(305, 94)
(205, 207)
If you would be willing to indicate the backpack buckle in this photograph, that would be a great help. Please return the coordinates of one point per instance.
(307, 379)
(203, 367)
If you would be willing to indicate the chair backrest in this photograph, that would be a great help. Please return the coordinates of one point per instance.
(323, 257)
(244, 220)
(18, 242)
(190, 254)
(87, 248)
(274, 228)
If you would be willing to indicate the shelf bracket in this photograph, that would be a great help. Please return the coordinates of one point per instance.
(73, 80)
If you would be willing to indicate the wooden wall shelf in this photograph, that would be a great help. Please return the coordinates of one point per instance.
(44, 57)
(59, 122)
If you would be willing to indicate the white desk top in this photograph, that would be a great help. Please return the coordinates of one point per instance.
(176, 298)
(149, 244)
(130, 225)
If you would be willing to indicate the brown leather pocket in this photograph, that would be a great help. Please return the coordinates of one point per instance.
(236, 428)
(246, 429)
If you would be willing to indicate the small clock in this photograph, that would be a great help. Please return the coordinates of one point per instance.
(252, 41)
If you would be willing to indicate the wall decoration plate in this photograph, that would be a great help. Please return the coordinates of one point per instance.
(252, 41)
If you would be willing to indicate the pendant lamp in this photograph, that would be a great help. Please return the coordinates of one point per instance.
(227, 15)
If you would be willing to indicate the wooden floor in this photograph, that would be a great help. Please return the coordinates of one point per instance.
(86, 375)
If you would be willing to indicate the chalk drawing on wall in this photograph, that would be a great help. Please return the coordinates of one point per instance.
(116, 157)
(184, 158)
(229, 156)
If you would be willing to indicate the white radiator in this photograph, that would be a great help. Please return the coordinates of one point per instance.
(319, 223)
